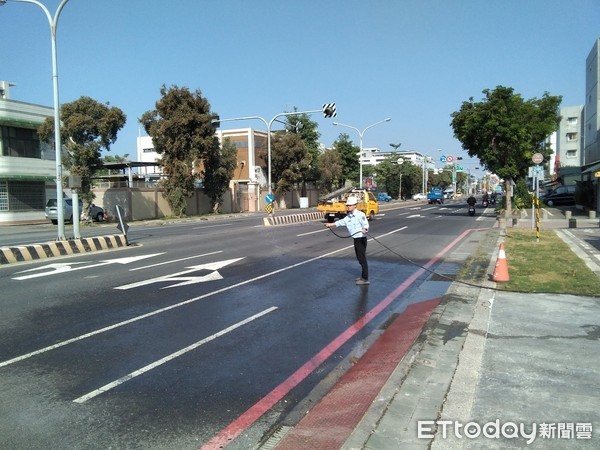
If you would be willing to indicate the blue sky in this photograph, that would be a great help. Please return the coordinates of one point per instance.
(413, 61)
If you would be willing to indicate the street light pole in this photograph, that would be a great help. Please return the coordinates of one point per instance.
(57, 143)
(268, 125)
(360, 135)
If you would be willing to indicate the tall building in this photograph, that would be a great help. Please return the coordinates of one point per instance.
(592, 100)
(568, 150)
(591, 130)
(27, 166)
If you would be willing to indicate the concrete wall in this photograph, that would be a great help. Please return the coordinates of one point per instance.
(149, 203)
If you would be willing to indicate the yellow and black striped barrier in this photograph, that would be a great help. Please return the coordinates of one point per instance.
(33, 252)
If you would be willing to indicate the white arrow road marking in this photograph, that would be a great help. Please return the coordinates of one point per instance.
(67, 267)
(413, 215)
(174, 261)
(171, 357)
(215, 266)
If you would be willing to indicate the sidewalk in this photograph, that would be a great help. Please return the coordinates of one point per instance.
(488, 359)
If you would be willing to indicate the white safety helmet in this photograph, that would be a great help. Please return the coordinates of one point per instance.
(351, 201)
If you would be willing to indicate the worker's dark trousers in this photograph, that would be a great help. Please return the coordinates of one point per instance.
(360, 248)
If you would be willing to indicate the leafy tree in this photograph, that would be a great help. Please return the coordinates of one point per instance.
(330, 169)
(350, 162)
(442, 179)
(394, 170)
(182, 134)
(290, 160)
(412, 178)
(504, 131)
(218, 171)
(88, 127)
(308, 132)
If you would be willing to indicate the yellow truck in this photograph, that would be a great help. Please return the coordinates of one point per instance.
(334, 204)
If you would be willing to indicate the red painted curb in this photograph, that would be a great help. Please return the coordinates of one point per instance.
(329, 424)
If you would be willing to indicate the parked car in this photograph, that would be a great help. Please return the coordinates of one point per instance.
(96, 213)
(383, 197)
(419, 196)
(560, 196)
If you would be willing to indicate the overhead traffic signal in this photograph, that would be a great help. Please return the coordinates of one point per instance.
(329, 110)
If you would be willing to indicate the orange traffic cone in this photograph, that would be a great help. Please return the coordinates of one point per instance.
(501, 269)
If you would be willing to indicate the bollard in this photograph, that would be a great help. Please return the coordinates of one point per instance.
(567, 215)
(592, 214)
(572, 223)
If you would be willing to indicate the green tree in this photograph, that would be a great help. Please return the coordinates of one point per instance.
(504, 131)
(88, 127)
(412, 179)
(182, 133)
(307, 129)
(330, 169)
(218, 172)
(350, 162)
(290, 160)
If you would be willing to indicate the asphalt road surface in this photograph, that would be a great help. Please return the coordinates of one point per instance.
(208, 332)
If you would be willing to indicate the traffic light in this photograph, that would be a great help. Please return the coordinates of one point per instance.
(215, 121)
(329, 110)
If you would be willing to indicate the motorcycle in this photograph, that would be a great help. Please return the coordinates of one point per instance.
(471, 210)
(485, 203)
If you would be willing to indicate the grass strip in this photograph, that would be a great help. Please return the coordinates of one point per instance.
(546, 266)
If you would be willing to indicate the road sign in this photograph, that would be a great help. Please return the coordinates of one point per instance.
(269, 208)
(537, 158)
(449, 158)
(269, 198)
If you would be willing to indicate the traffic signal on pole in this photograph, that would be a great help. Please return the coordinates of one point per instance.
(329, 110)
(215, 121)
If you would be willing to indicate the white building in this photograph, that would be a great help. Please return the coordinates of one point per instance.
(27, 166)
(568, 148)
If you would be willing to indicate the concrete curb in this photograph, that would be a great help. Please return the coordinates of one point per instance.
(32, 252)
(293, 218)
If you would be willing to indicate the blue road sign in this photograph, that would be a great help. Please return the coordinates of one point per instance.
(269, 198)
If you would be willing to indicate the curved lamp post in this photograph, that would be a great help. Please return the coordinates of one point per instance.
(360, 135)
(268, 124)
(57, 145)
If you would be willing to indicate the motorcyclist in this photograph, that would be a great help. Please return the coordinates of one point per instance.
(494, 198)
(485, 199)
(471, 200)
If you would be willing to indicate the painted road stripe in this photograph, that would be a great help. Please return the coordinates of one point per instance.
(171, 357)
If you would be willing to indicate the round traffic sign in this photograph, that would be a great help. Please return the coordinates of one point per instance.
(537, 158)
(449, 158)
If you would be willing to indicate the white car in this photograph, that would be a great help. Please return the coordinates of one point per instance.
(419, 196)
(96, 213)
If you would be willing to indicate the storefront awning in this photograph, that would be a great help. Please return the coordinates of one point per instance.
(591, 169)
